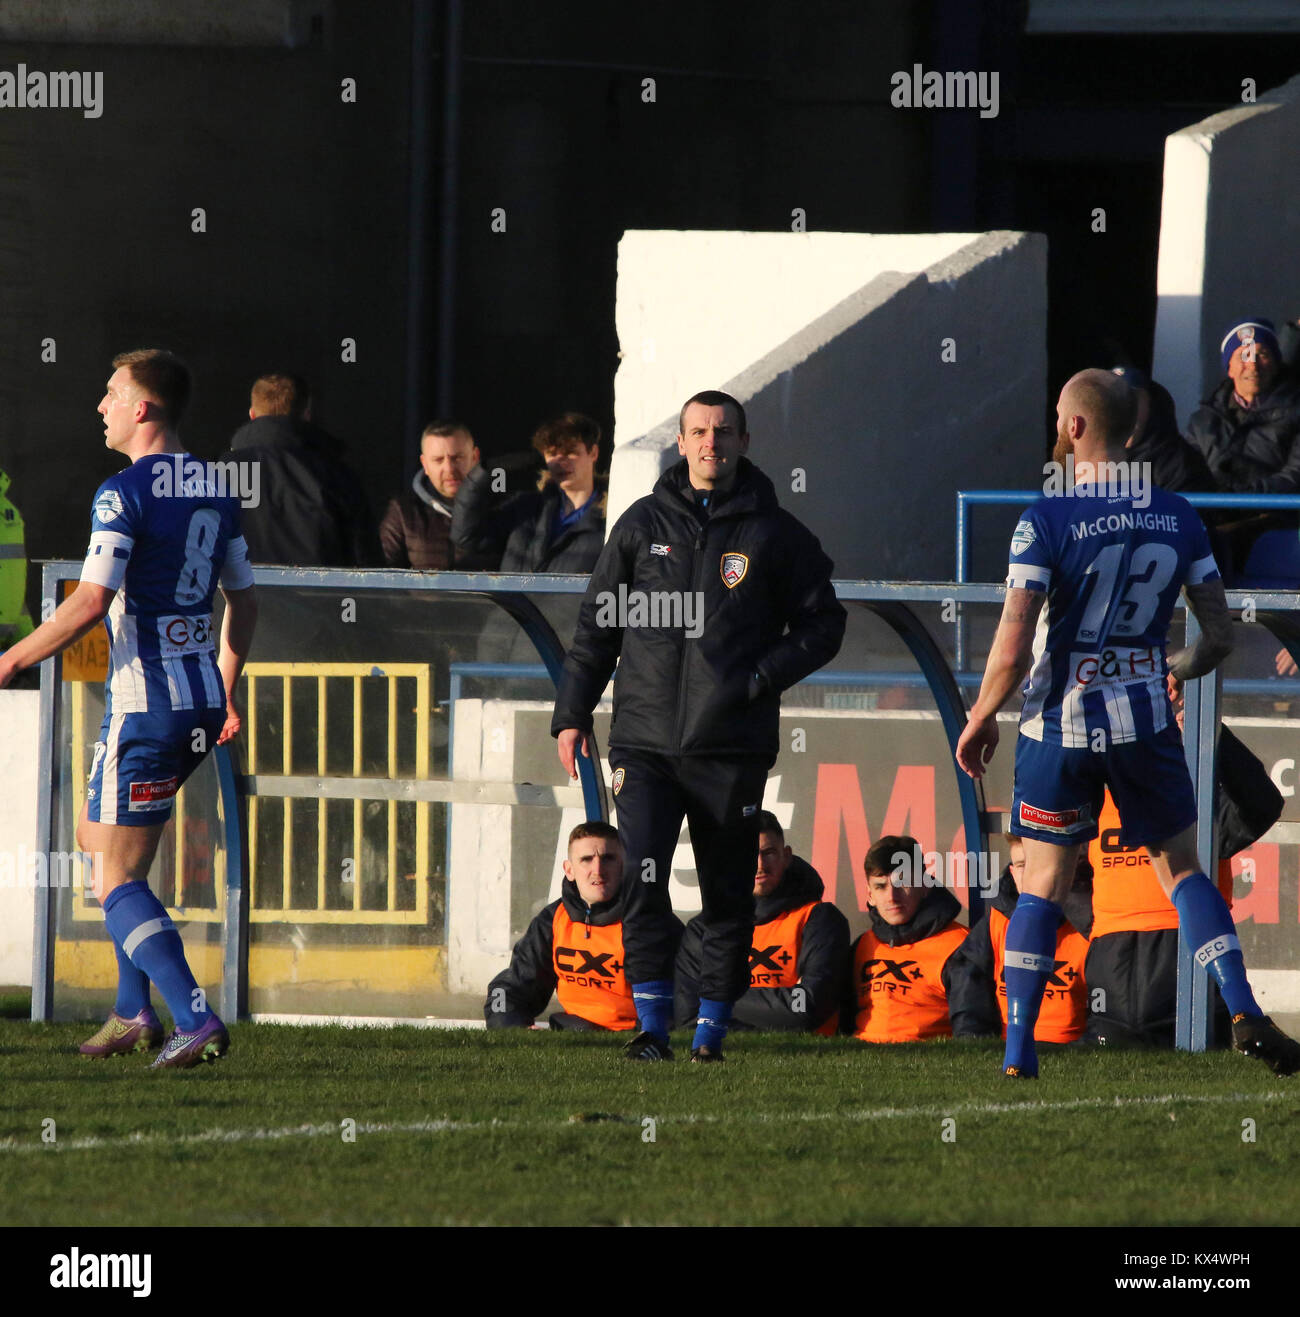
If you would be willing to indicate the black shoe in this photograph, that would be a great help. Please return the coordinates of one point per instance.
(646, 1047)
(1258, 1036)
(707, 1053)
(1015, 1072)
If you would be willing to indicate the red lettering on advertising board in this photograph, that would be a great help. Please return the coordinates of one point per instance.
(1256, 901)
(839, 806)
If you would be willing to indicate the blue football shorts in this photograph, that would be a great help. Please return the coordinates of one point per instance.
(1058, 792)
(142, 760)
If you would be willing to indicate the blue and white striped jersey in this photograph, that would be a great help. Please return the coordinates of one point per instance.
(1112, 573)
(162, 543)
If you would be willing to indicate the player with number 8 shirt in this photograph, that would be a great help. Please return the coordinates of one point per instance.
(156, 556)
(1097, 710)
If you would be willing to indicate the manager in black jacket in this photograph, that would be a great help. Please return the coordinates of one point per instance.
(715, 600)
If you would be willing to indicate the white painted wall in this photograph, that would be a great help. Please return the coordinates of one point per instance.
(694, 308)
(857, 397)
(478, 880)
(19, 715)
(1229, 231)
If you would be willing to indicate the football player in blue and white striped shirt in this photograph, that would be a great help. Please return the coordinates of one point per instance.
(163, 537)
(1107, 553)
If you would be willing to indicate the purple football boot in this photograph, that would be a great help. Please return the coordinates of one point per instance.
(209, 1041)
(119, 1035)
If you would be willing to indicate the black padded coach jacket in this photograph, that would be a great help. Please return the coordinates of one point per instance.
(752, 584)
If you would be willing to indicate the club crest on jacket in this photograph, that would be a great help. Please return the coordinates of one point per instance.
(734, 567)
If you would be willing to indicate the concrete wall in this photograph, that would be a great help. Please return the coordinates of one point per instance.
(694, 308)
(18, 748)
(1229, 231)
(859, 398)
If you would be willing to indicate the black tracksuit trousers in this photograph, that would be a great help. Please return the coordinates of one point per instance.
(720, 800)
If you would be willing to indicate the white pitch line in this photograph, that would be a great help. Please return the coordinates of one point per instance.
(222, 1136)
(998, 1108)
(140, 1140)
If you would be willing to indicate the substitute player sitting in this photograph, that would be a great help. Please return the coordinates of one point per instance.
(901, 964)
(573, 947)
(799, 956)
(1097, 708)
(160, 540)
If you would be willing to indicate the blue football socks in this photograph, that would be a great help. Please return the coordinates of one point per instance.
(139, 924)
(1207, 924)
(1029, 957)
(654, 1007)
(711, 1025)
(132, 986)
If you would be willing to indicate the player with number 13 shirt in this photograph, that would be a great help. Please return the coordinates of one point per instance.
(1091, 586)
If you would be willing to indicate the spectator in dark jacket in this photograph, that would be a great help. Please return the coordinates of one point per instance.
(975, 974)
(416, 527)
(1175, 464)
(799, 960)
(558, 528)
(311, 510)
(1246, 429)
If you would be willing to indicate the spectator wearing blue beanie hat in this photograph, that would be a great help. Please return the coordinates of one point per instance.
(1246, 429)
(1258, 331)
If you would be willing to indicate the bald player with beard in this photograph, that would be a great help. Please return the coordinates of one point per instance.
(1097, 712)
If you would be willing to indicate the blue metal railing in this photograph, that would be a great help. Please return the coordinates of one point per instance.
(972, 498)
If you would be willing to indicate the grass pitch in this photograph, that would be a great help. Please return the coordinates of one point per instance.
(464, 1127)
